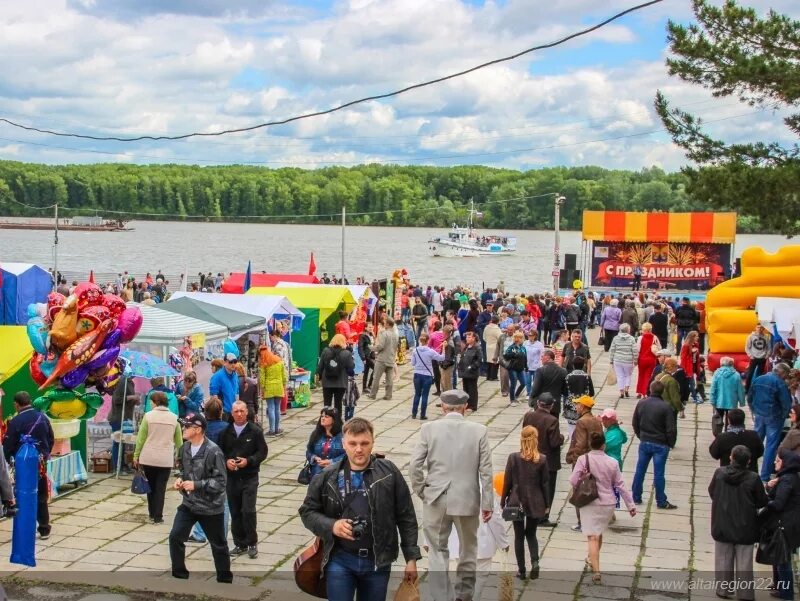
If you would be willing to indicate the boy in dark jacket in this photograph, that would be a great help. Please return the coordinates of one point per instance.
(736, 496)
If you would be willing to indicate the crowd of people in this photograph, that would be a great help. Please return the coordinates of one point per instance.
(536, 349)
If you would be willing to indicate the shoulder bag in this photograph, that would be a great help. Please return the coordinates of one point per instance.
(586, 490)
(514, 513)
(308, 574)
(140, 485)
(772, 547)
(304, 477)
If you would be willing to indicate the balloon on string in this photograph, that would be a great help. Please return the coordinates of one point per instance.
(129, 323)
(114, 304)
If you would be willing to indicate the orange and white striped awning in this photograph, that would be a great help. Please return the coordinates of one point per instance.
(623, 226)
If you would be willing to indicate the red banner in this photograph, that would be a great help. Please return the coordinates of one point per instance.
(609, 270)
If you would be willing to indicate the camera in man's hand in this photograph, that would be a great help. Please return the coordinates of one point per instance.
(359, 527)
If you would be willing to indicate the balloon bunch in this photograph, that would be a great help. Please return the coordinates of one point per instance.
(77, 340)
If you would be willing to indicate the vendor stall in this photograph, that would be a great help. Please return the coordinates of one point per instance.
(269, 307)
(20, 285)
(360, 292)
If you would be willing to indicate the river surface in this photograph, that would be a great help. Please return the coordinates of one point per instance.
(373, 252)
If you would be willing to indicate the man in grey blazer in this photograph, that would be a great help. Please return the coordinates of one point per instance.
(456, 491)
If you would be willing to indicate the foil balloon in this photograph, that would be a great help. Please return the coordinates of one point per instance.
(114, 304)
(37, 334)
(88, 294)
(41, 310)
(129, 323)
(80, 352)
(55, 300)
(103, 358)
(75, 378)
(91, 317)
(113, 339)
(36, 369)
(63, 332)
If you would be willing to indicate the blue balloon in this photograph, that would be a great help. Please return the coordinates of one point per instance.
(230, 347)
(37, 334)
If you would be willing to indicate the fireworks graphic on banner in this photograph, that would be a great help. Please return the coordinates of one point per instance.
(638, 254)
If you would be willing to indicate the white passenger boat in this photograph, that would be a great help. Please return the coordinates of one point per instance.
(468, 242)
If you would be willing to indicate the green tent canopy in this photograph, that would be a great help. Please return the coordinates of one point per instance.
(238, 323)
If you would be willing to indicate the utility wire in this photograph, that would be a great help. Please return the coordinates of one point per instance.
(303, 215)
(383, 160)
(334, 109)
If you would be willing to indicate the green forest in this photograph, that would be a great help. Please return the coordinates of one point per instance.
(372, 194)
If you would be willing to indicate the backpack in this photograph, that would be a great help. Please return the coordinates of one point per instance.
(332, 366)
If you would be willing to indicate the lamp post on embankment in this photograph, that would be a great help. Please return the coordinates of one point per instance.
(559, 200)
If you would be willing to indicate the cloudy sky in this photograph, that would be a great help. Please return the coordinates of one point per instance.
(167, 67)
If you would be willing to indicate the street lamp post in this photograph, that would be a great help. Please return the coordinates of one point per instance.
(559, 200)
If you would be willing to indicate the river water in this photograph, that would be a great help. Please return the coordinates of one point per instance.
(373, 252)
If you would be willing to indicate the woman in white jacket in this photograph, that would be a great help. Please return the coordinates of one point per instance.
(624, 353)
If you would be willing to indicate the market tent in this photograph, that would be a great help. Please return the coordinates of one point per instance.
(20, 285)
(267, 307)
(359, 291)
(783, 312)
(327, 299)
(164, 328)
(238, 323)
(234, 284)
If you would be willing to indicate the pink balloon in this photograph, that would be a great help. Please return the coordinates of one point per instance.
(129, 323)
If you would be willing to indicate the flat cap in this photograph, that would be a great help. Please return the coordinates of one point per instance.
(454, 397)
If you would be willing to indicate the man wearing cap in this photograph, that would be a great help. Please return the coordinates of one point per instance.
(224, 384)
(579, 445)
(655, 427)
(202, 486)
(550, 441)
(552, 378)
(451, 471)
(243, 445)
(661, 356)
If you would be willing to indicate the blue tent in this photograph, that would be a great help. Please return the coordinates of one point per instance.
(20, 285)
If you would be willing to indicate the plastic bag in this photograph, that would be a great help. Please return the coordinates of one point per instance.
(23, 538)
(407, 591)
(612, 377)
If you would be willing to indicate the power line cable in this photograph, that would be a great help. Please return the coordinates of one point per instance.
(334, 109)
(384, 160)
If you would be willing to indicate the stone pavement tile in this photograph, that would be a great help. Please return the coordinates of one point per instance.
(79, 542)
(60, 554)
(665, 562)
(142, 537)
(49, 566)
(99, 532)
(103, 556)
(127, 546)
(148, 560)
(81, 566)
(73, 520)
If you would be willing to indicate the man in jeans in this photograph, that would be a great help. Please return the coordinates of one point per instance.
(655, 426)
(770, 402)
(202, 485)
(358, 506)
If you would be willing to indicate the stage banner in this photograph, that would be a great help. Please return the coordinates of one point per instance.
(684, 266)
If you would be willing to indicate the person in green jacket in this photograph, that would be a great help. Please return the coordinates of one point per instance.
(615, 436)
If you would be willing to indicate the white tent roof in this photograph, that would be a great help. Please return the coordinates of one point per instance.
(783, 312)
(170, 329)
(18, 268)
(263, 306)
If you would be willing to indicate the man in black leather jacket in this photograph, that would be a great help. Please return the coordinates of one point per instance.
(341, 507)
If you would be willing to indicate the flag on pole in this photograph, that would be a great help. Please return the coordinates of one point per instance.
(247, 276)
(312, 266)
(91, 276)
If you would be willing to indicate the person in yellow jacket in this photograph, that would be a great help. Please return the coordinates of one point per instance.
(273, 377)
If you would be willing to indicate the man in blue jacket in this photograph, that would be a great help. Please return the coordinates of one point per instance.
(30, 421)
(224, 385)
(770, 402)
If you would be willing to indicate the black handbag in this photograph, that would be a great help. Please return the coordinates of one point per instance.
(513, 513)
(304, 477)
(772, 547)
(140, 485)
(586, 490)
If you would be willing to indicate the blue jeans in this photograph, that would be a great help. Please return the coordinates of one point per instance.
(347, 574)
(516, 382)
(658, 453)
(529, 376)
(784, 580)
(768, 428)
(422, 386)
(274, 413)
(115, 427)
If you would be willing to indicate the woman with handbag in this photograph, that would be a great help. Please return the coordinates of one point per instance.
(593, 481)
(325, 443)
(446, 367)
(334, 363)
(159, 438)
(422, 358)
(524, 498)
(623, 354)
(784, 511)
(649, 345)
(516, 361)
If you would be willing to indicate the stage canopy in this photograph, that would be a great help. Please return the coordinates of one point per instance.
(277, 306)
(234, 283)
(20, 285)
(238, 323)
(621, 226)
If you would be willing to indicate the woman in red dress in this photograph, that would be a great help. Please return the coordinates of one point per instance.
(647, 360)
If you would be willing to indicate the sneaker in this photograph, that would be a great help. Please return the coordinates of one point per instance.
(667, 505)
(576, 528)
(423, 418)
(236, 551)
(44, 536)
(548, 524)
(193, 539)
(534, 573)
(252, 551)
(413, 416)
(513, 404)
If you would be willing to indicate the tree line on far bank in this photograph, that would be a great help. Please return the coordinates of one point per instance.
(373, 194)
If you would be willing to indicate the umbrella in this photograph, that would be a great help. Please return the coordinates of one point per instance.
(142, 365)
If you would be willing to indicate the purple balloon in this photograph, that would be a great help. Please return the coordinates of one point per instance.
(75, 378)
(102, 359)
(113, 339)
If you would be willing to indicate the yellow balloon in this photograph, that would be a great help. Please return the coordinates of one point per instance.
(74, 409)
(577, 284)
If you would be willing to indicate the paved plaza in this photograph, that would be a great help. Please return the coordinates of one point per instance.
(101, 536)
